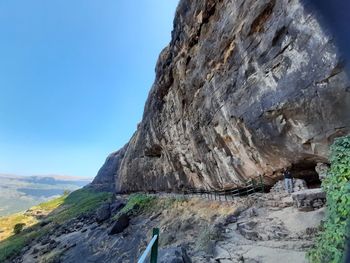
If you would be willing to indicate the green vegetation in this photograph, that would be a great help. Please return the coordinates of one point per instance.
(18, 228)
(330, 244)
(14, 244)
(24, 192)
(8, 223)
(137, 203)
(59, 210)
(77, 203)
(50, 205)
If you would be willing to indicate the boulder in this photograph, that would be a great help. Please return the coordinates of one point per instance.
(173, 255)
(322, 170)
(103, 213)
(308, 200)
(250, 212)
(247, 230)
(298, 185)
(221, 254)
(120, 225)
(230, 219)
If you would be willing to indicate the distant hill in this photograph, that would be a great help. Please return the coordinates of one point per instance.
(18, 193)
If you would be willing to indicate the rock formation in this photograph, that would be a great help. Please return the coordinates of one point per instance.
(244, 88)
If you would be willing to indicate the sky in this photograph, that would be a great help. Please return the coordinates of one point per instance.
(74, 78)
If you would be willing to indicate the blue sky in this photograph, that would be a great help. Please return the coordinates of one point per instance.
(74, 77)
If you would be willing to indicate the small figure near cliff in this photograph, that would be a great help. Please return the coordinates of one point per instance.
(288, 180)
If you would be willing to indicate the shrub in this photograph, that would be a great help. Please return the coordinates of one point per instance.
(330, 244)
(18, 228)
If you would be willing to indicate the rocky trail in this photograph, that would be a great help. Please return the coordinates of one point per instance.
(268, 234)
(244, 88)
(263, 227)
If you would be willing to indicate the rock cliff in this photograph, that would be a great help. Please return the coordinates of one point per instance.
(244, 88)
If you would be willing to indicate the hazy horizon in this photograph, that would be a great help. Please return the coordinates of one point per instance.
(74, 78)
(53, 175)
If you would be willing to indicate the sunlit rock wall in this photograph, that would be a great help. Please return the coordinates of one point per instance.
(244, 88)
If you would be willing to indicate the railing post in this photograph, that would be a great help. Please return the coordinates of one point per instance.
(154, 251)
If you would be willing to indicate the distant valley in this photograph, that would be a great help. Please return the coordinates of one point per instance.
(18, 193)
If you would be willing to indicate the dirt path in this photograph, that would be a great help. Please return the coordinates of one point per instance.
(270, 234)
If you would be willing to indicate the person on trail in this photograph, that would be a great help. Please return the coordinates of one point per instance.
(288, 180)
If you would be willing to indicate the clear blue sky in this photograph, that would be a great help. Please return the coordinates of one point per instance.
(74, 77)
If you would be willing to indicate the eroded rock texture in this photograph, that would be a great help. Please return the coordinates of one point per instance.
(106, 176)
(244, 88)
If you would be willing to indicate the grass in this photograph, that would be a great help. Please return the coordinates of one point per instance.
(14, 244)
(59, 210)
(137, 203)
(167, 203)
(77, 203)
(51, 205)
(8, 223)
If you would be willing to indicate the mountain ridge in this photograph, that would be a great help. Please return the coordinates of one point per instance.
(18, 193)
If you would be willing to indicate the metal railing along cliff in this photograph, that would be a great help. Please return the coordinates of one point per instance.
(251, 187)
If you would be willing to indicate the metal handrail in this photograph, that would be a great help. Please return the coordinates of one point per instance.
(152, 247)
(249, 187)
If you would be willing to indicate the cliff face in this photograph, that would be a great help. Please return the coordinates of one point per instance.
(244, 88)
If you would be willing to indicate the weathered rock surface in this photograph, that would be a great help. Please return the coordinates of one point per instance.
(192, 229)
(105, 178)
(298, 185)
(322, 170)
(310, 199)
(245, 87)
(103, 213)
(173, 255)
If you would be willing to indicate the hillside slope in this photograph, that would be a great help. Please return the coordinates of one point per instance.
(19, 193)
(259, 228)
(244, 88)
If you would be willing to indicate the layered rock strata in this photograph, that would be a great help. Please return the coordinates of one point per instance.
(244, 88)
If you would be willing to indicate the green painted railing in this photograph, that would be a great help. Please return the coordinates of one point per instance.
(151, 248)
